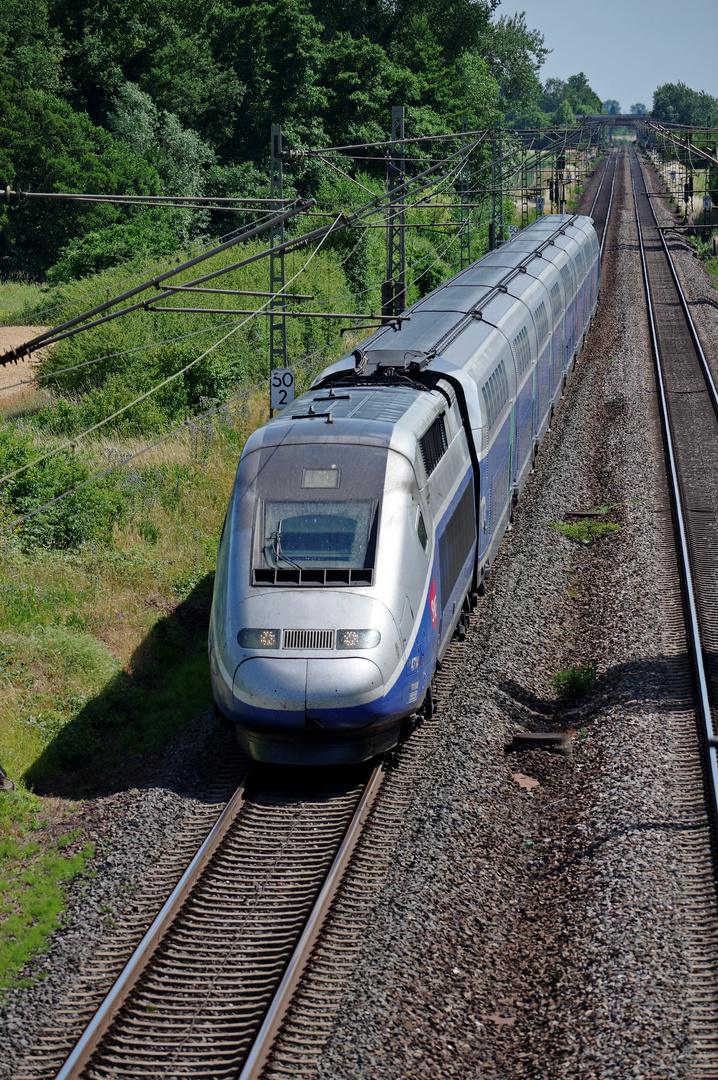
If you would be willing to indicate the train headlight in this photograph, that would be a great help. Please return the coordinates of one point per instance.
(358, 639)
(258, 639)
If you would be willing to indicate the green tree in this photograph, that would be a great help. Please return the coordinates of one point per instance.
(47, 146)
(611, 107)
(676, 103)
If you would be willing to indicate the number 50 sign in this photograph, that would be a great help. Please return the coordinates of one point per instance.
(281, 388)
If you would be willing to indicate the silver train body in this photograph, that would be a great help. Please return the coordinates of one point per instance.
(365, 517)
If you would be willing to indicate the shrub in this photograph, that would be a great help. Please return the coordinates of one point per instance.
(585, 531)
(575, 682)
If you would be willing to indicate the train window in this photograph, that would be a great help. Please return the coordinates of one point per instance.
(495, 393)
(555, 302)
(433, 445)
(522, 349)
(567, 282)
(541, 321)
(307, 535)
(421, 530)
(580, 264)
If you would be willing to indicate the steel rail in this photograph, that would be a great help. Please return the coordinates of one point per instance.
(610, 201)
(692, 621)
(713, 390)
(271, 1025)
(142, 955)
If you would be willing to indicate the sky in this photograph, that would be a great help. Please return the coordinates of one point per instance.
(627, 48)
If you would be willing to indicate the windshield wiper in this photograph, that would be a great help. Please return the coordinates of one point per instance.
(276, 539)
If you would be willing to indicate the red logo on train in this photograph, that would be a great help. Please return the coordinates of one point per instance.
(433, 603)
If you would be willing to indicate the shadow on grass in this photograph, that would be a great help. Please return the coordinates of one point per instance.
(167, 684)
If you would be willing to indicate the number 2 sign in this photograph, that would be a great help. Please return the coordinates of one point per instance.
(281, 388)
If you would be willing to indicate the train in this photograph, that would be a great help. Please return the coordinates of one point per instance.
(366, 515)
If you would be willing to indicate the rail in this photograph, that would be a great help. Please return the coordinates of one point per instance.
(690, 591)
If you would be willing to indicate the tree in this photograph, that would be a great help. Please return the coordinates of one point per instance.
(564, 117)
(639, 109)
(47, 146)
(514, 55)
(676, 103)
(611, 107)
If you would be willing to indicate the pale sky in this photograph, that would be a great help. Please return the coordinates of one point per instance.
(626, 48)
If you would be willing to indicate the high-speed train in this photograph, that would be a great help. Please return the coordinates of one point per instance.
(365, 517)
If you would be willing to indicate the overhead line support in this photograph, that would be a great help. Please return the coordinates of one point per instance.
(394, 288)
(277, 281)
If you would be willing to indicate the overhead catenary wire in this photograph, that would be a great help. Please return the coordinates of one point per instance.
(57, 333)
(50, 375)
(115, 355)
(187, 425)
(72, 326)
(71, 443)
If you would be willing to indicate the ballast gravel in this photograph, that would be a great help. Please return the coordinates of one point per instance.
(533, 924)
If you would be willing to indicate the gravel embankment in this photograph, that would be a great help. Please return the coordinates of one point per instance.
(536, 932)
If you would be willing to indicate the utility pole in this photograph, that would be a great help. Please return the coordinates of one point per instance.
(278, 305)
(465, 199)
(496, 228)
(393, 300)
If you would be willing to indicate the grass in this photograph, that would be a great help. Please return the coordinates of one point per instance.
(574, 682)
(103, 655)
(16, 298)
(34, 873)
(585, 531)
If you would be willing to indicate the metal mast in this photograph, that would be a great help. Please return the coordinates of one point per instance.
(465, 199)
(278, 305)
(394, 291)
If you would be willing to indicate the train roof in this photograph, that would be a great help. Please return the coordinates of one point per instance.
(387, 415)
(489, 292)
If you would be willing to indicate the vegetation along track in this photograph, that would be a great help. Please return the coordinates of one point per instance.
(688, 407)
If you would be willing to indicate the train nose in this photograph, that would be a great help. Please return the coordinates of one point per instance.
(297, 690)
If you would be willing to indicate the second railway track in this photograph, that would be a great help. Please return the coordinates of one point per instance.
(689, 402)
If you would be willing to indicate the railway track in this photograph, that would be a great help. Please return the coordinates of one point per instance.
(689, 414)
(688, 407)
(223, 955)
(603, 200)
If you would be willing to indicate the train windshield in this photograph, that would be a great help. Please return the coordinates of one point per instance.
(315, 507)
(309, 534)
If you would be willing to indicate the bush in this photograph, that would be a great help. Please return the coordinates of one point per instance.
(585, 531)
(87, 514)
(575, 682)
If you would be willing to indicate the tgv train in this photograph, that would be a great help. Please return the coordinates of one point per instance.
(365, 517)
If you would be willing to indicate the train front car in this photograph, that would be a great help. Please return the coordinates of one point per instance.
(321, 631)
(366, 517)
